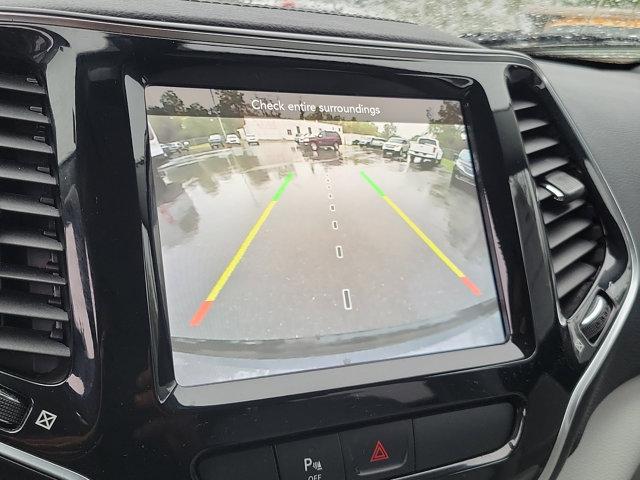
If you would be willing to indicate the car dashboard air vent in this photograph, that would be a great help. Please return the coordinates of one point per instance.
(565, 195)
(34, 318)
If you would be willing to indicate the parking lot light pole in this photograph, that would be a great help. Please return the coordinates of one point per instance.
(213, 100)
(222, 127)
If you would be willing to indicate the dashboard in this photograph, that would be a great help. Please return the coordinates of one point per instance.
(308, 249)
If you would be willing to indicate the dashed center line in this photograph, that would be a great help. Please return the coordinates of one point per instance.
(346, 294)
(346, 298)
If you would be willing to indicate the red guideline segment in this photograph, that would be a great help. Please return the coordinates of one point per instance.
(219, 285)
(471, 286)
(200, 313)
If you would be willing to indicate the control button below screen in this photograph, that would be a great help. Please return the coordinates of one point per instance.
(256, 464)
(316, 458)
(454, 436)
(378, 452)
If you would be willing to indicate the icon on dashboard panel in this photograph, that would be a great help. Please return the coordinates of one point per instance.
(310, 463)
(46, 419)
(379, 453)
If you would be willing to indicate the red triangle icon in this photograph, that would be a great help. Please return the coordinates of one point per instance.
(379, 453)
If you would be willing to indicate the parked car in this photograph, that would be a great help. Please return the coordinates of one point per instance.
(375, 142)
(301, 138)
(325, 139)
(463, 170)
(425, 150)
(395, 146)
(363, 142)
(173, 148)
(215, 141)
(252, 139)
(232, 139)
(304, 139)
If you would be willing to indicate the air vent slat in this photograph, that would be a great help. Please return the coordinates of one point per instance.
(30, 274)
(25, 341)
(20, 83)
(540, 166)
(23, 143)
(560, 233)
(573, 228)
(29, 239)
(35, 327)
(30, 305)
(528, 124)
(25, 173)
(571, 252)
(21, 112)
(537, 144)
(573, 277)
(24, 204)
(552, 214)
(519, 105)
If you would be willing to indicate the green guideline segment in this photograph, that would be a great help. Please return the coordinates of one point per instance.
(373, 184)
(283, 186)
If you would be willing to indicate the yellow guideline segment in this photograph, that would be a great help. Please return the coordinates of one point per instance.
(452, 266)
(240, 253)
(219, 285)
(432, 246)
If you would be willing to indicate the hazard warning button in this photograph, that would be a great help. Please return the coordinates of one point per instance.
(378, 452)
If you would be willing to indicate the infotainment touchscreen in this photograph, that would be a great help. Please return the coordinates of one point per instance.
(300, 231)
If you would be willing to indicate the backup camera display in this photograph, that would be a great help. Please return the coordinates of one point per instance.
(302, 232)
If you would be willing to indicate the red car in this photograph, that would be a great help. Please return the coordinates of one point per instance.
(325, 139)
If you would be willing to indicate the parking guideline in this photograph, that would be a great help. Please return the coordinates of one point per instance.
(434, 248)
(282, 188)
(198, 317)
(373, 184)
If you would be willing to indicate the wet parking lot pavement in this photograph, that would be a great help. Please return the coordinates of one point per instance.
(306, 245)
